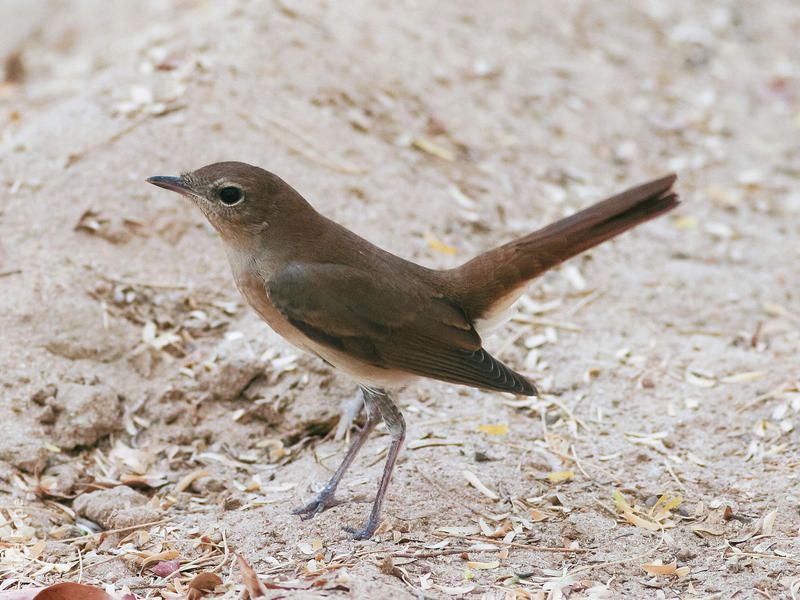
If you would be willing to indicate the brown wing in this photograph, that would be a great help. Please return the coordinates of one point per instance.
(389, 325)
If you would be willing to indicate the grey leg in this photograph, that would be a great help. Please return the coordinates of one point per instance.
(349, 408)
(378, 400)
(327, 497)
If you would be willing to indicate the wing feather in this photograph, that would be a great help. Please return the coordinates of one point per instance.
(386, 325)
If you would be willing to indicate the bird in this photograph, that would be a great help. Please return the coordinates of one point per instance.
(379, 318)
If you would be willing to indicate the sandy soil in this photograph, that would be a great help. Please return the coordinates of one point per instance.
(668, 358)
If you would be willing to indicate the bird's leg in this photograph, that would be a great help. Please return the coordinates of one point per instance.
(349, 410)
(327, 497)
(378, 400)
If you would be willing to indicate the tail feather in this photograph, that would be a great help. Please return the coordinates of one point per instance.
(498, 276)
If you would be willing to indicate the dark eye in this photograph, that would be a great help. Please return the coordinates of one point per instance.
(230, 195)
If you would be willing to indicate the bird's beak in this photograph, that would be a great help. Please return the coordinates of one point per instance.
(175, 184)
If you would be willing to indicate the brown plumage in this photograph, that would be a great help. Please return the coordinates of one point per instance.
(507, 269)
(380, 318)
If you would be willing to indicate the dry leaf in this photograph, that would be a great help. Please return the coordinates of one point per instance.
(167, 568)
(629, 514)
(476, 483)
(202, 583)
(537, 515)
(71, 591)
(253, 586)
(484, 565)
(769, 522)
(658, 568)
(743, 377)
(456, 591)
(187, 480)
(708, 530)
(685, 222)
(432, 147)
(699, 380)
(560, 476)
(143, 481)
(37, 549)
(435, 244)
(668, 505)
(494, 429)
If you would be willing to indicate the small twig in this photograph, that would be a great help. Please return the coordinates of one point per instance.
(444, 552)
(225, 554)
(25, 507)
(380, 456)
(674, 476)
(756, 334)
(327, 568)
(760, 555)
(96, 564)
(523, 318)
(477, 538)
(76, 157)
(759, 399)
(120, 530)
(608, 509)
(510, 341)
(708, 332)
(569, 412)
(627, 559)
(80, 565)
(11, 272)
(585, 302)
(157, 286)
(299, 142)
(445, 494)
(578, 463)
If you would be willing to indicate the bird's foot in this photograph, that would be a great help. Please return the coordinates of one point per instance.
(365, 532)
(326, 499)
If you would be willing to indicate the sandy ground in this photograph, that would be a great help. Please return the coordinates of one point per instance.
(668, 359)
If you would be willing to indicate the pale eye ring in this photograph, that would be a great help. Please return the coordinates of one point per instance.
(230, 195)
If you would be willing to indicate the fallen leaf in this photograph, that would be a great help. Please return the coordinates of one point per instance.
(202, 583)
(494, 429)
(768, 523)
(143, 481)
(484, 565)
(708, 530)
(71, 591)
(666, 505)
(630, 515)
(476, 483)
(743, 377)
(699, 380)
(188, 479)
(560, 476)
(685, 222)
(435, 244)
(167, 568)
(252, 584)
(433, 148)
(457, 591)
(537, 515)
(658, 568)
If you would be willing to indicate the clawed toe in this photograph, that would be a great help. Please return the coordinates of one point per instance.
(364, 533)
(322, 502)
